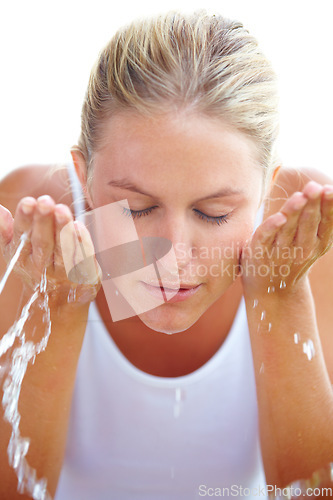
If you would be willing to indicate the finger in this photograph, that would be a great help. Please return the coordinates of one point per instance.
(325, 228)
(42, 235)
(6, 227)
(63, 216)
(88, 268)
(312, 190)
(24, 215)
(309, 219)
(78, 254)
(292, 210)
(267, 231)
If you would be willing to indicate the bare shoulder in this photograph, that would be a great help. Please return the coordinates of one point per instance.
(35, 180)
(321, 273)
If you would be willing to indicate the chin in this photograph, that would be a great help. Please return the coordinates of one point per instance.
(168, 322)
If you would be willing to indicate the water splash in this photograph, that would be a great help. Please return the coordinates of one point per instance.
(20, 357)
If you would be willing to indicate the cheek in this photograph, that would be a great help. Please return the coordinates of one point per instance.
(220, 257)
(229, 246)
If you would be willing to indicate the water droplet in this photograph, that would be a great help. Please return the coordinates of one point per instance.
(31, 480)
(117, 293)
(20, 451)
(308, 349)
(271, 289)
(255, 303)
(269, 327)
(71, 297)
(296, 337)
(179, 399)
(262, 368)
(263, 315)
(282, 284)
(40, 489)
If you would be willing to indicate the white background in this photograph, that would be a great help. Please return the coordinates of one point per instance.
(47, 50)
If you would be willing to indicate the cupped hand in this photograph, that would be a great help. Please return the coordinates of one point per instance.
(42, 221)
(287, 243)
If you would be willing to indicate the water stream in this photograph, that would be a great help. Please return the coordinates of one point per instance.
(20, 352)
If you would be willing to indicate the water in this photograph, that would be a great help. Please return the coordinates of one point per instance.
(308, 349)
(20, 353)
(179, 400)
(321, 478)
(26, 352)
(12, 263)
(71, 297)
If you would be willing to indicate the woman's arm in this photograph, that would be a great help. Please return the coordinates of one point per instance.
(294, 390)
(46, 394)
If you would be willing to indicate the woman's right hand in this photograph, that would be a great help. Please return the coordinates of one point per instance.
(47, 249)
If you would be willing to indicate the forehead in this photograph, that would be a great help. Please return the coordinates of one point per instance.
(174, 147)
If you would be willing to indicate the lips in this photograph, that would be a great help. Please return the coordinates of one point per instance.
(171, 293)
(172, 286)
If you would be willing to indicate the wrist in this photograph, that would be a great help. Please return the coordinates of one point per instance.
(274, 286)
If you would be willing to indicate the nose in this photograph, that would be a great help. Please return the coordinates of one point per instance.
(178, 233)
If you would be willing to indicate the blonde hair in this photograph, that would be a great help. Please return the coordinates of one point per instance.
(209, 64)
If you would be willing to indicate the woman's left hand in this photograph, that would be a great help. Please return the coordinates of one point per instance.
(287, 243)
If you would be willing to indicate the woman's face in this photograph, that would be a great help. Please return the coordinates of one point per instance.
(192, 180)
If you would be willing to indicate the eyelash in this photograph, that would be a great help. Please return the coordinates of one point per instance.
(207, 218)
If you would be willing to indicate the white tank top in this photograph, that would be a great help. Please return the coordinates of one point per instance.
(136, 436)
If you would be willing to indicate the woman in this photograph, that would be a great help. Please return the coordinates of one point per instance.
(180, 120)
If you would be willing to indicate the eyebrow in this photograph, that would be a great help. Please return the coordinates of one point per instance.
(130, 186)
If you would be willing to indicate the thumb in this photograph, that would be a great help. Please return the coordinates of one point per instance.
(6, 227)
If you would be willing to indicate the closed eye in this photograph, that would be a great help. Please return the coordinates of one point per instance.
(220, 219)
(135, 214)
